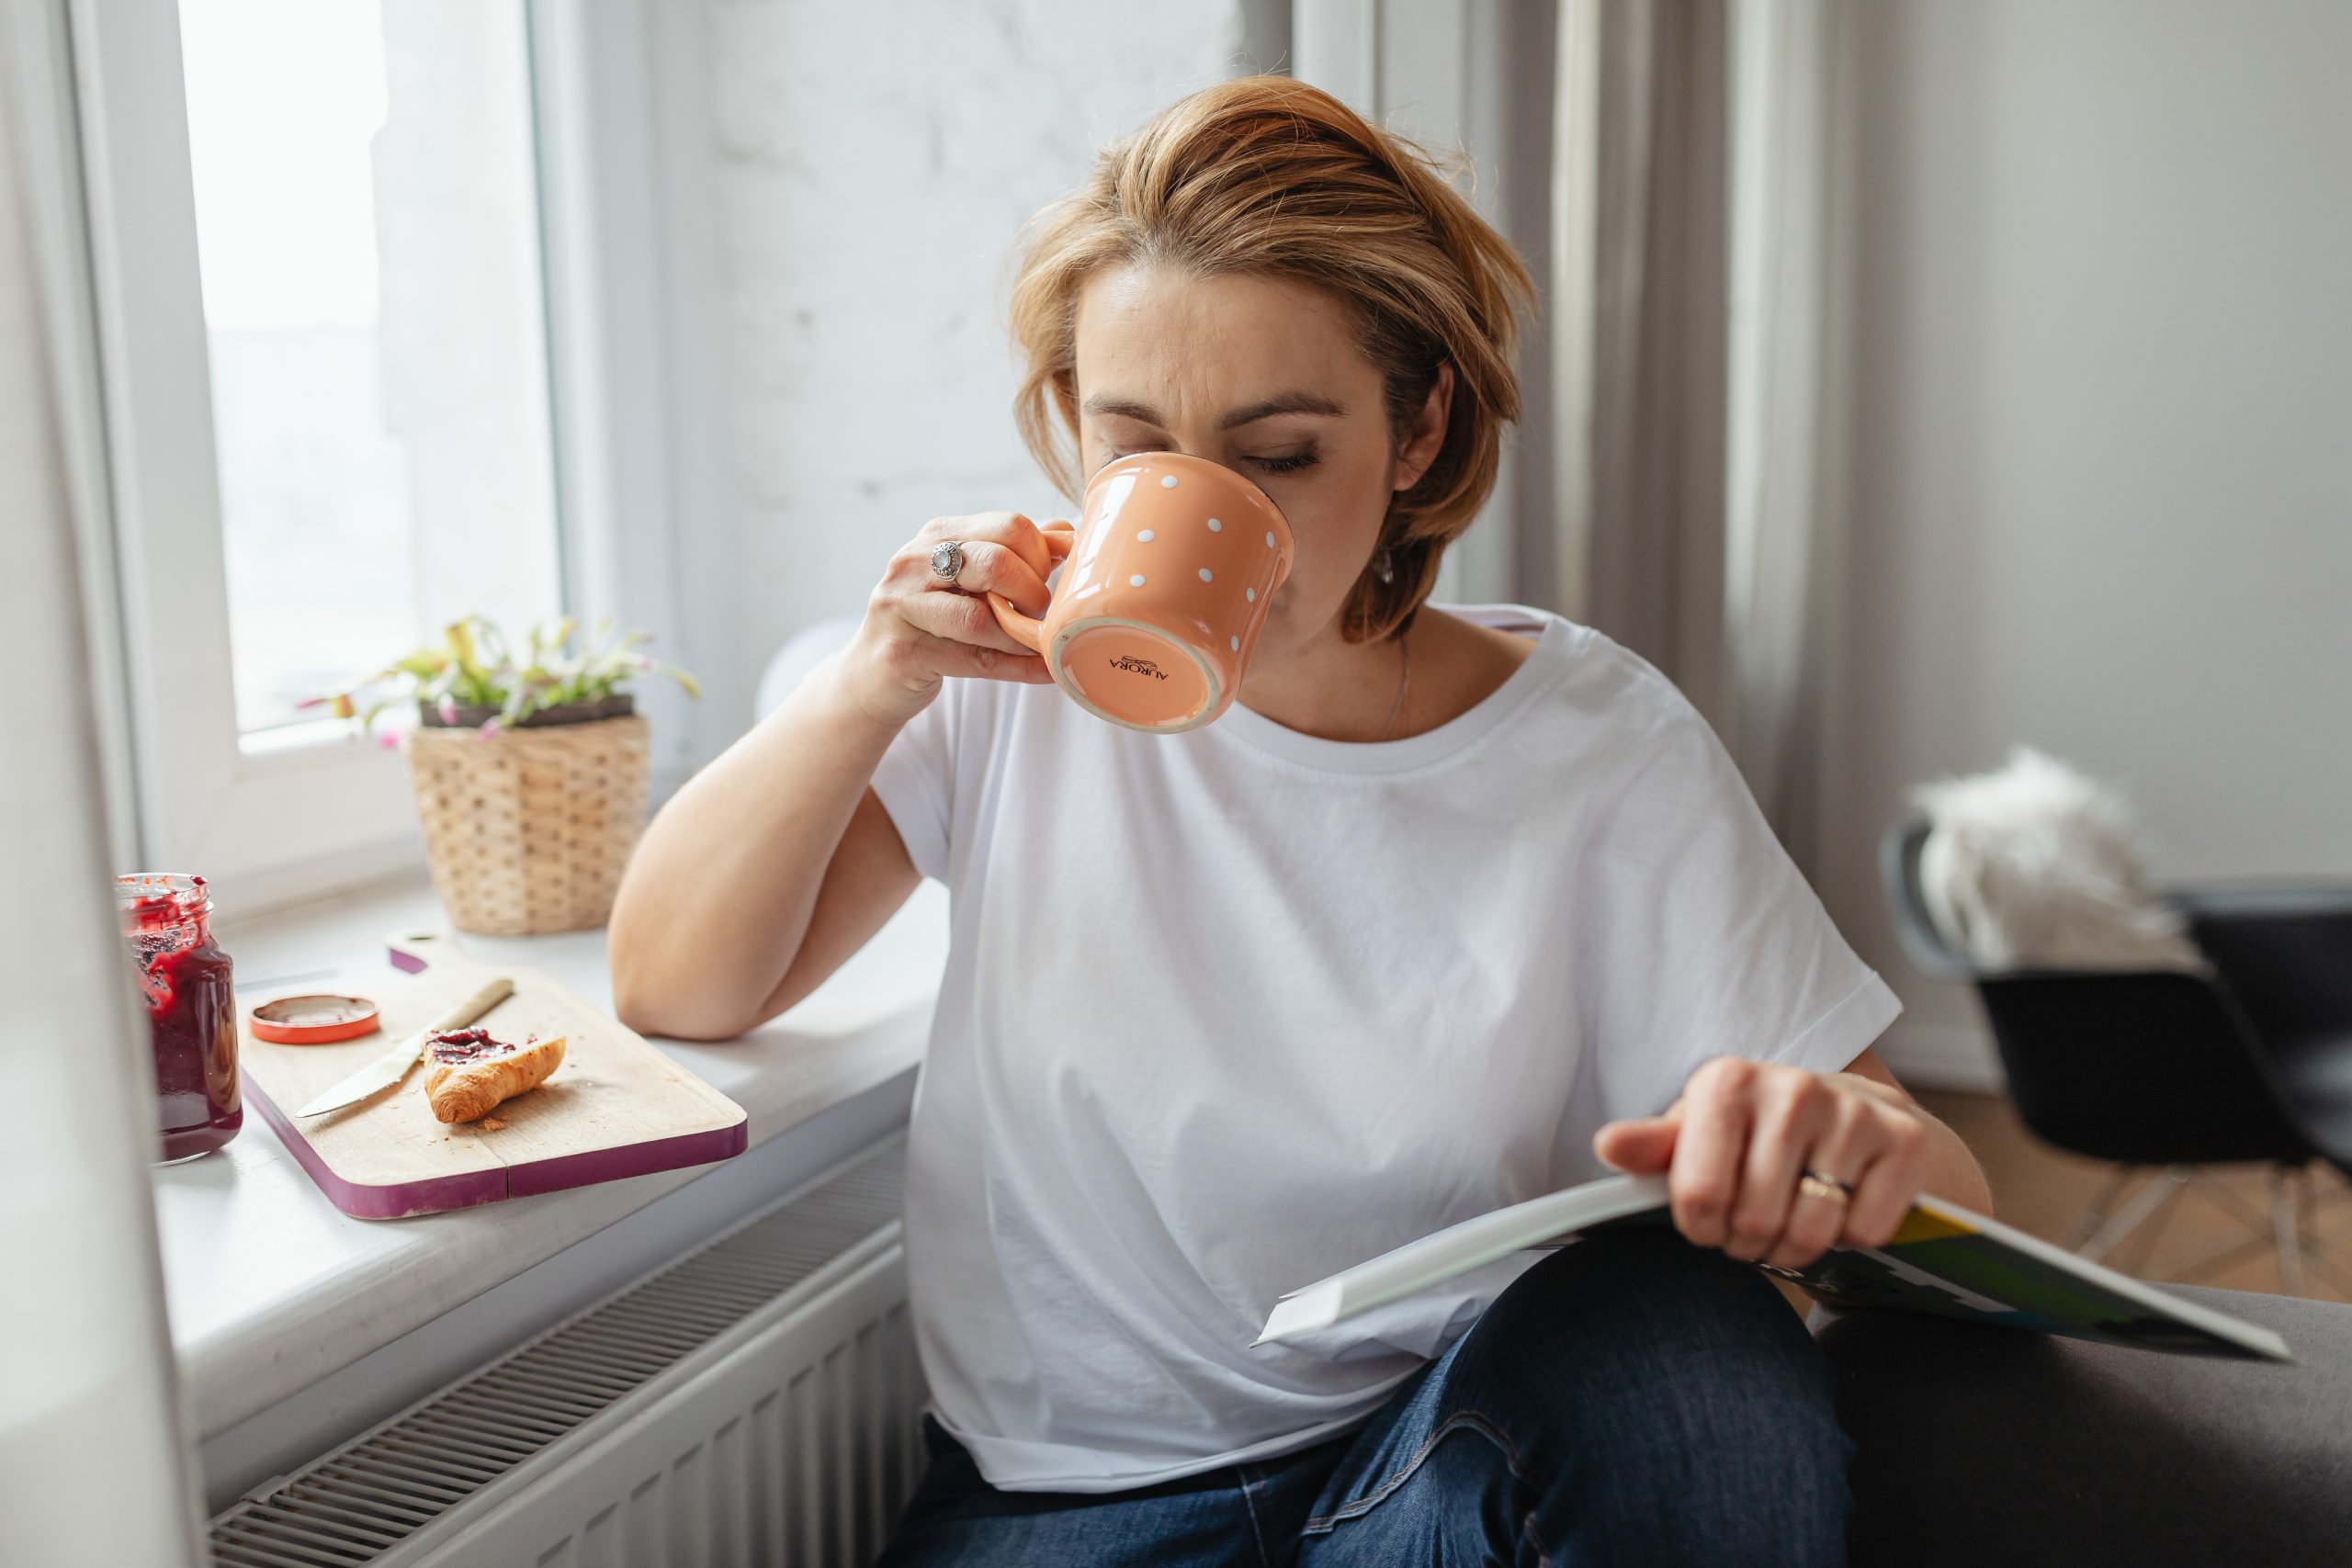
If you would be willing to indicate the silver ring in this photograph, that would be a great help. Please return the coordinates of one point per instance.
(947, 561)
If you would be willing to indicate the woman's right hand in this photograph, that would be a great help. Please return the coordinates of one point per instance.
(919, 627)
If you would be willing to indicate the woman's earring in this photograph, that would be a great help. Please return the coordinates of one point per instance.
(1382, 568)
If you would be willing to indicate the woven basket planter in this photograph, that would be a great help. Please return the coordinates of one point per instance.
(528, 829)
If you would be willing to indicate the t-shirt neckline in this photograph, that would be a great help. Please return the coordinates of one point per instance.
(1542, 663)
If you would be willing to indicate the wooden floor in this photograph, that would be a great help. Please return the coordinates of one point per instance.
(2037, 1188)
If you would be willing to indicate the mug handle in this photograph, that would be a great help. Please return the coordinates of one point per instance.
(1060, 537)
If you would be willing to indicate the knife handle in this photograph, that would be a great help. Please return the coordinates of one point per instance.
(389, 1068)
(473, 1007)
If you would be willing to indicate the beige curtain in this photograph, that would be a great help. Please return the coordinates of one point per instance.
(1641, 376)
(1698, 162)
(95, 1470)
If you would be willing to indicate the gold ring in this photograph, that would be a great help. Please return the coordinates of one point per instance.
(1821, 1184)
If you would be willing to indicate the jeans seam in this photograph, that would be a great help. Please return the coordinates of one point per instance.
(1257, 1533)
(1463, 1418)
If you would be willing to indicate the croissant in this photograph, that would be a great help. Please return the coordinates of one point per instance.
(471, 1073)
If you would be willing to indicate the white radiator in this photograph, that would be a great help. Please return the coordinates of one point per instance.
(753, 1405)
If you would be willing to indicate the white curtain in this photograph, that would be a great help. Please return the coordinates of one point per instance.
(1696, 340)
(95, 1469)
(1785, 523)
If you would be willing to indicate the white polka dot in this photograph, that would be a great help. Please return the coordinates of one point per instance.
(1237, 643)
(1204, 574)
(1270, 539)
(1250, 594)
(1135, 581)
(1144, 536)
(1215, 527)
(1168, 481)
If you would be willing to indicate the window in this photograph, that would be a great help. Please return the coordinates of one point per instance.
(319, 309)
(366, 226)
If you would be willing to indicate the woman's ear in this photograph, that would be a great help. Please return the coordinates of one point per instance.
(1427, 435)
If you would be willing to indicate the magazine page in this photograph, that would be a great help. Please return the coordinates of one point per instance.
(1418, 1265)
(1943, 1260)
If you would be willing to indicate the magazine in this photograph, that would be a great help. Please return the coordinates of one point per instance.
(1943, 1260)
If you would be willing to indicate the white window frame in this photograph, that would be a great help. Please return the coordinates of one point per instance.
(636, 339)
(291, 813)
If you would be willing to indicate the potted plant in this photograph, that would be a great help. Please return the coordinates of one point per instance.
(531, 768)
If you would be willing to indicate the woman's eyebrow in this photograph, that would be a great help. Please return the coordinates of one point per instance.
(1287, 402)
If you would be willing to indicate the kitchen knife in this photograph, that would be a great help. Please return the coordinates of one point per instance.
(393, 1064)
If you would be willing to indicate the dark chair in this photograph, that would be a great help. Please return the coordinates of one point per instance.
(2172, 1069)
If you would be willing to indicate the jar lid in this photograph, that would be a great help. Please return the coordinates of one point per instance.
(313, 1019)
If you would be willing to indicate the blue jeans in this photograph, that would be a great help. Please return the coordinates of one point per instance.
(1631, 1399)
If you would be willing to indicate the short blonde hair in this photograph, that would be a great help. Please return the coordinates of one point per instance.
(1267, 175)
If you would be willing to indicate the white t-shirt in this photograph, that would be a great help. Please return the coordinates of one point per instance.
(1230, 1011)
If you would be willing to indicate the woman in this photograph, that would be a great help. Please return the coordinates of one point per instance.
(1451, 906)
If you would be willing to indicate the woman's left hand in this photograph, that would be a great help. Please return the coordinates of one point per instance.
(1737, 1146)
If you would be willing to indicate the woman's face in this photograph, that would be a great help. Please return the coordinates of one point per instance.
(1264, 376)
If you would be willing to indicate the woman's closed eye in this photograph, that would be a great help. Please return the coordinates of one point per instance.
(1290, 463)
(1286, 463)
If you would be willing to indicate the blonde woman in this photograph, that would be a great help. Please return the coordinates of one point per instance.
(1455, 906)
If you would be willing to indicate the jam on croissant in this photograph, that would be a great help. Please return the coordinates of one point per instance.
(471, 1073)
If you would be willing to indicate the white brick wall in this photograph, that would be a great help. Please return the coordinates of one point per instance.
(874, 161)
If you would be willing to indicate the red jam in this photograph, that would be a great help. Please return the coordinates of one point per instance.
(191, 1011)
(467, 1046)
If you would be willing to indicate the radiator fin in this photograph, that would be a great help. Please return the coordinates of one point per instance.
(810, 1469)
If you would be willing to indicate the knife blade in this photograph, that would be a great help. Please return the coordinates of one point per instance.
(392, 1066)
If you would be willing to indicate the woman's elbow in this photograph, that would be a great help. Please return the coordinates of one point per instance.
(650, 1011)
(652, 997)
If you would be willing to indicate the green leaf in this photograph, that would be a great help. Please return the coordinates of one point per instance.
(475, 667)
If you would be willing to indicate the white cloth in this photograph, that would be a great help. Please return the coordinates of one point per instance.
(1230, 1011)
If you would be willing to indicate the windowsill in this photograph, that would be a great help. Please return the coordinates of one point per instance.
(271, 1288)
(306, 737)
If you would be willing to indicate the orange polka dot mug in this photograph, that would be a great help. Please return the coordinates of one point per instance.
(1161, 600)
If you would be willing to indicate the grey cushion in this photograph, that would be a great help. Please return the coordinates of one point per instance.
(1981, 1446)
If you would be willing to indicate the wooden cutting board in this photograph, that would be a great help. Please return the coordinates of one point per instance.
(616, 1107)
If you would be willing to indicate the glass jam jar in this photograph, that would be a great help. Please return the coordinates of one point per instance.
(185, 977)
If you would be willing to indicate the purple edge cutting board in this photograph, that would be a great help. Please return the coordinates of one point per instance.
(463, 1189)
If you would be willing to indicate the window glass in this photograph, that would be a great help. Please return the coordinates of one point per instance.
(367, 227)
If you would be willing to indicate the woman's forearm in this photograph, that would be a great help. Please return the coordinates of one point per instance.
(717, 897)
(717, 901)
